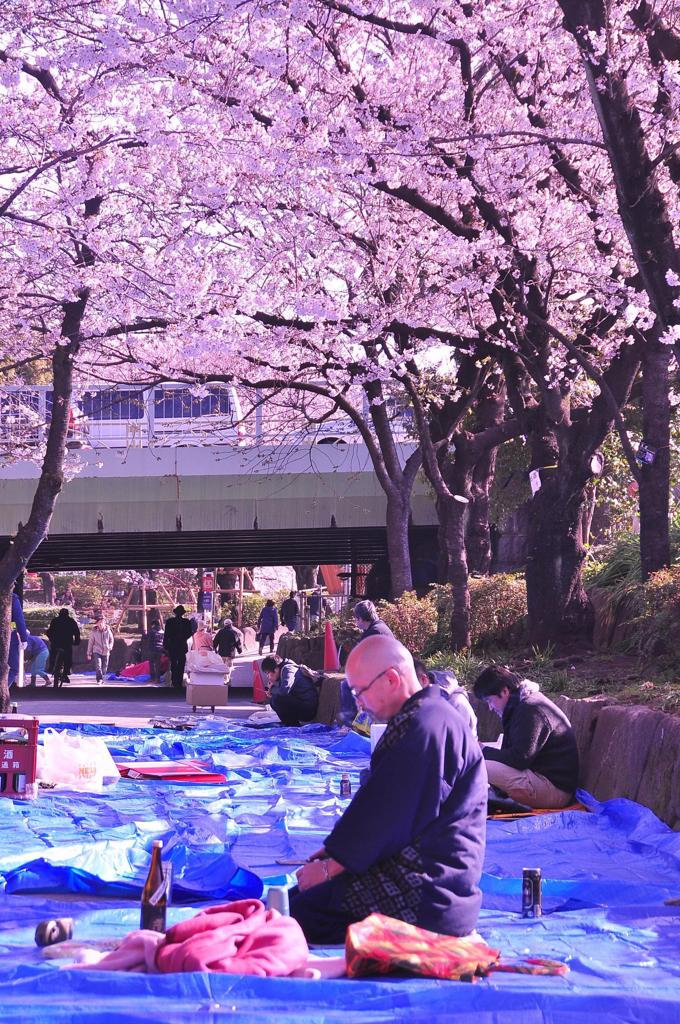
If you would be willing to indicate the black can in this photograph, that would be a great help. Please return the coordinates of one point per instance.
(531, 892)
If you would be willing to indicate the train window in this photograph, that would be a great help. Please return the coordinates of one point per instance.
(180, 403)
(113, 404)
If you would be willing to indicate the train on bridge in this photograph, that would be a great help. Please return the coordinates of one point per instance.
(165, 415)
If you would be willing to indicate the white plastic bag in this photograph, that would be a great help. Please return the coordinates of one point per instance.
(205, 661)
(79, 762)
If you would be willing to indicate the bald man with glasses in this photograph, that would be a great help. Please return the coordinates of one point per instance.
(411, 842)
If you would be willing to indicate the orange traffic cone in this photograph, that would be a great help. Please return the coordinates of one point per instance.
(259, 692)
(330, 651)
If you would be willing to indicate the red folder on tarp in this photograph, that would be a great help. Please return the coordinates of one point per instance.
(169, 771)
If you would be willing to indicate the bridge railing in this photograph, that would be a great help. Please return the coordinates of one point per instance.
(125, 416)
(166, 415)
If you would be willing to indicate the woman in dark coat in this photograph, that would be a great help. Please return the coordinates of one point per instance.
(267, 624)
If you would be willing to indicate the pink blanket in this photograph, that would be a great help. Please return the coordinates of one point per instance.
(235, 938)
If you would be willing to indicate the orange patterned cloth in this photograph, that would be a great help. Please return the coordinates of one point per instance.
(385, 945)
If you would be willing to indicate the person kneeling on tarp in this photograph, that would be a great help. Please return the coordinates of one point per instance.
(537, 763)
(293, 689)
(411, 842)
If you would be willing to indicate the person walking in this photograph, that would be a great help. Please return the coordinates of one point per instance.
(99, 647)
(267, 624)
(227, 642)
(177, 633)
(63, 634)
(290, 613)
(202, 641)
(316, 608)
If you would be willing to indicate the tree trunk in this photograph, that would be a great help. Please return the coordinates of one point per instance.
(305, 576)
(648, 221)
(655, 550)
(398, 553)
(49, 596)
(477, 533)
(490, 412)
(556, 599)
(455, 514)
(30, 535)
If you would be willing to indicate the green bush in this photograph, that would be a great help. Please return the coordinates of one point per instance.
(498, 608)
(412, 619)
(252, 606)
(39, 616)
(654, 630)
(466, 665)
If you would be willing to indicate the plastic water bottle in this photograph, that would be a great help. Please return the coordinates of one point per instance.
(277, 899)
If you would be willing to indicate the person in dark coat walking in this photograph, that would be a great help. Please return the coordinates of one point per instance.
(227, 642)
(290, 612)
(267, 624)
(63, 635)
(177, 633)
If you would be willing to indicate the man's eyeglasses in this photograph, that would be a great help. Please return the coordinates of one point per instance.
(358, 693)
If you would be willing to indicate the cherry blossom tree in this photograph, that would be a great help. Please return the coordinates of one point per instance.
(104, 216)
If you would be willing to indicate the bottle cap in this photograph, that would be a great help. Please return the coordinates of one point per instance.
(158, 843)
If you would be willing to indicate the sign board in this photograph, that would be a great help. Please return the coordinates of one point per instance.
(205, 600)
(208, 581)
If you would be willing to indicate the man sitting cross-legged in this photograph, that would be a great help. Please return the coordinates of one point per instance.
(537, 764)
(411, 842)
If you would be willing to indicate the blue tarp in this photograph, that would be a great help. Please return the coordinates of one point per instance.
(607, 873)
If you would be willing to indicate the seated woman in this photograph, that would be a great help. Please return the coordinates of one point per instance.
(293, 689)
(537, 764)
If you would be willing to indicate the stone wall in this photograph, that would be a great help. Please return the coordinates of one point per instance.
(302, 650)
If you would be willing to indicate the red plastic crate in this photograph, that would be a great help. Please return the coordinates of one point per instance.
(18, 753)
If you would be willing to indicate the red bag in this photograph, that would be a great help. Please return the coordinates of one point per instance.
(384, 945)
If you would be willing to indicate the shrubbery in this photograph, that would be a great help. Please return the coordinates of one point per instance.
(644, 617)
(498, 607)
(39, 616)
(413, 620)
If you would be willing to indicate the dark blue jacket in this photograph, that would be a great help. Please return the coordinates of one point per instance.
(412, 840)
(18, 633)
(377, 628)
(268, 621)
(301, 680)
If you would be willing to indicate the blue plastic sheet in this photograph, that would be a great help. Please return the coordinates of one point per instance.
(606, 875)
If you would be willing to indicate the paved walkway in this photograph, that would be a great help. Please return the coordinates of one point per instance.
(129, 703)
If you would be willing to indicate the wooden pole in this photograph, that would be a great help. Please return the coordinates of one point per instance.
(240, 597)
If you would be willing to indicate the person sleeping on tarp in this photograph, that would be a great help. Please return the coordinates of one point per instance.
(411, 842)
(293, 690)
(537, 763)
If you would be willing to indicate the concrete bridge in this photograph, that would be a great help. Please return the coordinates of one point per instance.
(164, 495)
